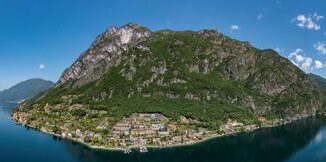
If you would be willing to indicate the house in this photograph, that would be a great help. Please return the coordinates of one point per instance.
(164, 133)
(158, 127)
(143, 132)
(120, 129)
(157, 117)
(171, 127)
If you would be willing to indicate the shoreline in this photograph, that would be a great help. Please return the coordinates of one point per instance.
(121, 149)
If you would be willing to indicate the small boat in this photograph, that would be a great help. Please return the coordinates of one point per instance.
(127, 151)
(143, 149)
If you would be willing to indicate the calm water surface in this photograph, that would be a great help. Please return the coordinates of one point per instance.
(304, 140)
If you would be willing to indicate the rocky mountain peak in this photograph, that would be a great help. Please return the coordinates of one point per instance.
(105, 52)
(126, 34)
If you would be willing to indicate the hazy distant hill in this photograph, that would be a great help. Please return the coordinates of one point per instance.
(25, 90)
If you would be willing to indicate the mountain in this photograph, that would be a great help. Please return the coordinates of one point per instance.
(319, 81)
(200, 76)
(25, 90)
(321, 84)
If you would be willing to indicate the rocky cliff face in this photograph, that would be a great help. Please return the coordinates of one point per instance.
(199, 74)
(104, 53)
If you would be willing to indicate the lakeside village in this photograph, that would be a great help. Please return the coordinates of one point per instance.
(155, 130)
(143, 130)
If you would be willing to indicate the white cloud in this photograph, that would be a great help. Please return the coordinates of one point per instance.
(319, 64)
(297, 55)
(305, 63)
(42, 66)
(309, 21)
(259, 16)
(234, 27)
(320, 47)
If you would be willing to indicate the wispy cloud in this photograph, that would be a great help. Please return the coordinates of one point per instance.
(309, 21)
(42, 66)
(320, 47)
(234, 28)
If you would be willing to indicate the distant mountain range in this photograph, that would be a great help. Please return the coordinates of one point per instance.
(25, 90)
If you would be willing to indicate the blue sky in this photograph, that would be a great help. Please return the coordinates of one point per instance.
(41, 38)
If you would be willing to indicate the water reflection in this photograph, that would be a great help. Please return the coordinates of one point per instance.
(268, 145)
(314, 151)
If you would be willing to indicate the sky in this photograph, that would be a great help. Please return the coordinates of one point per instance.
(39, 39)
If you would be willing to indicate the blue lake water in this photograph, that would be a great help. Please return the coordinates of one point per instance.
(304, 140)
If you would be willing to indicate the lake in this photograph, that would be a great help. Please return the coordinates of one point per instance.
(304, 140)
